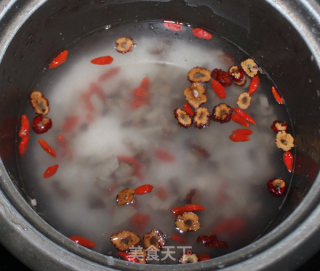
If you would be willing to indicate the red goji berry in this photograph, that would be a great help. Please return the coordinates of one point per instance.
(242, 132)
(134, 162)
(62, 140)
(201, 33)
(47, 148)
(141, 94)
(50, 171)
(164, 156)
(172, 26)
(211, 241)
(179, 239)
(82, 241)
(277, 96)
(140, 221)
(244, 115)
(23, 145)
(24, 134)
(161, 193)
(66, 152)
(24, 126)
(95, 89)
(239, 138)
(187, 107)
(219, 89)
(178, 210)
(87, 102)
(145, 83)
(232, 226)
(143, 189)
(70, 124)
(136, 103)
(102, 60)
(238, 119)
(109, 74)
(59, 59)
(207, 239)
(254, 84)
(204, 257)
(218, 244)
(128, 257)
(288, 160)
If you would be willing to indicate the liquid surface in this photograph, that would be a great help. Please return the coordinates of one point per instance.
(229, 181)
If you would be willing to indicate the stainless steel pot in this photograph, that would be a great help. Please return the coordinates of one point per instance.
(283, 35)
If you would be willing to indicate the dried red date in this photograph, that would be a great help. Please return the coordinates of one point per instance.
(277, 187)
(41, 124)
(237, 75)
(39, 103)
(222, 77)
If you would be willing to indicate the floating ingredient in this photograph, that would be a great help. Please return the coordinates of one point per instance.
(41, 125)
(50, 171)
(154, 240)
(82, 241)
(244, 115)
(284, 141)
(222, 113)
(124, 44)
(195, 95)
(250, 67)
(218, 89)
(143, 189)
(47, 148)
(125, 196)
(183, 118)
(102, 60)
(277, 96)
(254, 84)
(244, 100)
(199, 75)
(237, 75)
(173, 26)
(288, 160)
(39, 103)
(279, 126)
(188, 221)
(124, 240)
(277, 187)
(223, 77)
(59, 59)
(201, 33)
(202, 117)
(188, 258)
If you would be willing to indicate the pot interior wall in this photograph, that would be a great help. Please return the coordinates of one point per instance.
(253, 25)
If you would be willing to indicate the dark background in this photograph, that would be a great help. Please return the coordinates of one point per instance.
(9, 262)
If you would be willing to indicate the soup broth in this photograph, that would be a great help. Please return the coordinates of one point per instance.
(107, 140)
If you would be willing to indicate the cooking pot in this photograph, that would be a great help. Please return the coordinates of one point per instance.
(282, 35)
